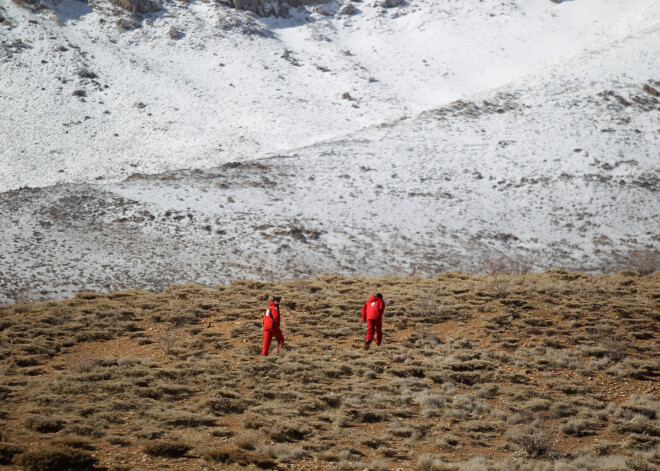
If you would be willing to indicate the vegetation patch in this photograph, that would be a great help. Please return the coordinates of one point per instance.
(556, 372)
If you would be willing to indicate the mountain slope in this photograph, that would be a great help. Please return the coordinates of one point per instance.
(469, 128)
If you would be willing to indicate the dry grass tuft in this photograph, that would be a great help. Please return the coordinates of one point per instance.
(55, 459)
(167, 449)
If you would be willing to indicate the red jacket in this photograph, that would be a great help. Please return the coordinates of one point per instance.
(272, 316)
(373, 309)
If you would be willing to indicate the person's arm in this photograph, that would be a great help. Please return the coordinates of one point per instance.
(276, 316)
(381, 308)
(364, 312)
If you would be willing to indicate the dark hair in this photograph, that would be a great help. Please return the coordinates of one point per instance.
(379, 296)
(276, 299)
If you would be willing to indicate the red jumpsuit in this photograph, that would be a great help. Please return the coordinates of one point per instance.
(272, 328)
(372, 314)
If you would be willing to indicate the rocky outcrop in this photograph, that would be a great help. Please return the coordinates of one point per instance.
(265, 8)
(390, 3)
(138, 6)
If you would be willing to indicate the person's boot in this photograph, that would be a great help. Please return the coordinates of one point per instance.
(366, 345)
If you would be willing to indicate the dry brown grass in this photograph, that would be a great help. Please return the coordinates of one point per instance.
(504, 371)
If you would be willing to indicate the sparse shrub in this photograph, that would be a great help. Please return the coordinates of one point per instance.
(55, 459)
(240, 457)
(226, 405)
(645, 262)
(432, 463)
(637, 425)
(289, 431)
(80, 363)
(184, 419)
(285, 454)
(44, 424)
(118, 440)
(615, 345)
(493, 262)
(500, 285)
(579, 427)
(167, 449)
(78, 443)
(378, 465)
(248, 440)
(534, 439)
(522, 263)
(84, 73)
(168, 339)
(173, 33)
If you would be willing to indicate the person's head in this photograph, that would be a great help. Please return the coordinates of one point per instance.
(379, 296)
(275, 299)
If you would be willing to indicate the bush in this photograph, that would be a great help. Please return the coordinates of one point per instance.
(240, 457)
(44, 424)
(55, 459)
(645, 262)
(248, 440)
(167, 449)
(534, 439)
(431, 463)
(289, 432)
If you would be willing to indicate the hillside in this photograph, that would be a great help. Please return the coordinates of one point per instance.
(200, 142)
(546, 371)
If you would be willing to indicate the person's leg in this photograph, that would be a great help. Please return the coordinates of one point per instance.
(268, 336)
(379, 331)
(279, 337)
(370, 333)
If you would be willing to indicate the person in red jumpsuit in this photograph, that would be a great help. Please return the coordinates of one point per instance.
(372, 314)
(272, 326)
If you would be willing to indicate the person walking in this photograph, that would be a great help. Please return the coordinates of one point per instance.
(272, 326)
(372, 314)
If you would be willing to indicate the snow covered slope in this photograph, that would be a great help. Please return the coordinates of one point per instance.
(393, 140)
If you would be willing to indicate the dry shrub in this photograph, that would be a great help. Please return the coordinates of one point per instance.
(240, 457)
(44, 424)
(522, 263)
(493, 262)
(248, 440)
(55, 459)
(284, 453)
(78, 443)
(615, 344)
(289, 432)
(500, 285)
(168, 339)
(183, 419)
(81, 363)
(226, 405)
(167, 449)
(534, 439)
(637, 425)
(432, 463)
(644, 262)
(578, 427)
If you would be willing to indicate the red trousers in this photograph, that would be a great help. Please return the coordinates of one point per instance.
(268, 336)
(375, 325)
